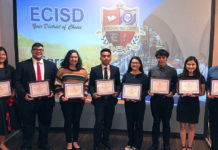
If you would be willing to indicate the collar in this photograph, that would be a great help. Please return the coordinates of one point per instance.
(35, 61)
(162, 67)
(103, 66)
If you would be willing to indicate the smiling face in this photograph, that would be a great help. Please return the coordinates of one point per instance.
(37, 52)
(162, 60)
(135, 65)
(73, 59)
(191, 66)
(105, 58)
(3, 56)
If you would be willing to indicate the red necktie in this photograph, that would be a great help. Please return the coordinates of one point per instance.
(39, 77)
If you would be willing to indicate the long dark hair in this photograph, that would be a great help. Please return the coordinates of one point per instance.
(6, 61)
(141, 65)
(196, 72)
(65, 63)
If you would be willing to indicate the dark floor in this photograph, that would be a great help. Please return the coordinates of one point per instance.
(118, 140)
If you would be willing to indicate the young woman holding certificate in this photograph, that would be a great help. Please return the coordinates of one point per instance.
(135, 109)
(188, 108)
(71, 71)
(7, 120)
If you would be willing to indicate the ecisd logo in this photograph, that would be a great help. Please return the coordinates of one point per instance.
(119, 28)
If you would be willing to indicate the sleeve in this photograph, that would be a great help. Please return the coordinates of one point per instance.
(58, 82)
(86, 82)
(18, 81)
(145, 85)
(202, 79)
(92, 88)
(208, 81)
(117, 81)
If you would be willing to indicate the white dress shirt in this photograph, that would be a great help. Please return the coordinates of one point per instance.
(42, 67)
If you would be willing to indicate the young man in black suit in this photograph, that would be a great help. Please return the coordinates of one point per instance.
(104, 105)
(35, 69)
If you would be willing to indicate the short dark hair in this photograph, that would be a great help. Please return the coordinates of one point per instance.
(162, 52)
(105, 50)
(65, 63)
(141, 65)
(37, 45)
(197, 70)
(6, 61)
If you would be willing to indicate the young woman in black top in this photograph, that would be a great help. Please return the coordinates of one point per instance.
(188, 108)
(135, 110)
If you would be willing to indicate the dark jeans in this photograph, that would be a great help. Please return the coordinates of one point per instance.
(29, 110)
(103, 120)
(161, 109)
(72, 113)
(135, 117)
(213, 119)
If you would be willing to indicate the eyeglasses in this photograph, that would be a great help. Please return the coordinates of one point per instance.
(40, 50)
(135, 63)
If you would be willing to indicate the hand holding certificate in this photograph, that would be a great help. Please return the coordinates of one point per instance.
(74, 90)
(105, 87)
(159, 86)
(39, 88)
(5, 88)
(188, 86)
(132, 91)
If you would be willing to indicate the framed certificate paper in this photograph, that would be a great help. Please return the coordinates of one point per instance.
(39, 88)
(159, 86)
(214, 87)
(105, 87)
(73, 90)
(5, 88)
(132, 91)
(189, 86)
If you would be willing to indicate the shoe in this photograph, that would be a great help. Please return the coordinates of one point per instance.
(128, 147)
(134, 148)
(45, 147)
(107, 144)
(74, 148)
(153, 147)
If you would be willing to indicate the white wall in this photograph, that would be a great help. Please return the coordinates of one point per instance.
(7, 29)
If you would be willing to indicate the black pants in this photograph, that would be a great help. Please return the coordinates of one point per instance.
(72, 113)
(29, 110)
(103, 120)
(135, 117)
(213, 119)
(161, 109)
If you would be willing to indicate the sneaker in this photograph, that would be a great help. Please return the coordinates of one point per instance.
(128, 147)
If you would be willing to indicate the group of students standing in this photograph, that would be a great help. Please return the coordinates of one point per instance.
(71, 70)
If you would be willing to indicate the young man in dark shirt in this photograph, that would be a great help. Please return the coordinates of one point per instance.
(162, 105)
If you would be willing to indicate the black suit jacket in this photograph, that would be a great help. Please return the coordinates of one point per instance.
(95, 74)
(25, 73)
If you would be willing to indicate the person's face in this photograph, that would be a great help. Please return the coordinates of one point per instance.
(191, 66)
(73, 59)
(162, 60)
(105, 58)
(2, 57)
(135, 65)
(37, 52)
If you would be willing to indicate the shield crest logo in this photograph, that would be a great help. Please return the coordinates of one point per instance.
(119, 27)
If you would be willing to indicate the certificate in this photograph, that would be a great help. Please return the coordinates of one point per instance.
(39, 88)
(159, 86)
(214, 87)
(132, 91)
(73, 90)
(5, 88)
(189, 86)
(105, 87)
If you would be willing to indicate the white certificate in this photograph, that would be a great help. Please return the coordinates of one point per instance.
(132, 91)
(189, 86)
(105, 87)
(74, 90)
(39, 88)
(214, 87)
(159, 86)
(5, 88)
